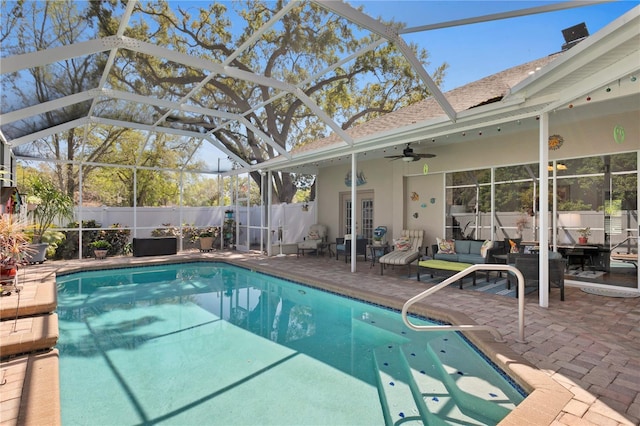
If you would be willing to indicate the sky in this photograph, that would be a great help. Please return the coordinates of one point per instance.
(479, 50)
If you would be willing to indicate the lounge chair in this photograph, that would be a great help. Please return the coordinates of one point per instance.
(404, 254)
(316, 236)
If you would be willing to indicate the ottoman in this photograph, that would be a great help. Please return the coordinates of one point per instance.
(444, 268)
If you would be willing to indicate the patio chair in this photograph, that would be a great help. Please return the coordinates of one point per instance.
(316, 235)
(343, 247)
(406, 249)
(530, 268)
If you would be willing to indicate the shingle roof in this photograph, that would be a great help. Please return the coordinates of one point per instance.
(491, 88)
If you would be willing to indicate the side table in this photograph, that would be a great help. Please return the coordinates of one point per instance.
(330, 246)
(377, 251)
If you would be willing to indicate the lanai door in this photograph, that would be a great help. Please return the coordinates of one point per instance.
(364, 218)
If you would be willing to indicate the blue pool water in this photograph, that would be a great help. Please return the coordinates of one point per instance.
(210, 343)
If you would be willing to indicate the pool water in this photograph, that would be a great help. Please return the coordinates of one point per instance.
(210, 343)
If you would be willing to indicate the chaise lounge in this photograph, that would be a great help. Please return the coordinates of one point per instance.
(406, 249)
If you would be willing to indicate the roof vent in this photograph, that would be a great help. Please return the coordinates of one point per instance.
(574, 35)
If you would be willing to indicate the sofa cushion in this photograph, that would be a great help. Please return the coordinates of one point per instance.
(484, 250)
(463, 246)
(470, 258)
(446, 246)
(475, 247)
(451, 257)
(402, 244)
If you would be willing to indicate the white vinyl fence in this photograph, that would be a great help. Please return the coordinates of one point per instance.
(253, 229)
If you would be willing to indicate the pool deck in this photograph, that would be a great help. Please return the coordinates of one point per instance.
(586, 349)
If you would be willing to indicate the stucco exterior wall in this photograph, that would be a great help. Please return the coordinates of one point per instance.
(394, 181)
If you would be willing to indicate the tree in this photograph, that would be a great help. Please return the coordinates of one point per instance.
(307, 40)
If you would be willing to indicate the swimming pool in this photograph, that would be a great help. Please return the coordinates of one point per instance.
(210, 343)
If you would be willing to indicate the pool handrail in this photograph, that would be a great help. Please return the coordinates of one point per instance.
(470, 327)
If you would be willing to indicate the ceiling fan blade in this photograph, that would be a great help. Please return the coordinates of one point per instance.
(394, 157)
(424, 155)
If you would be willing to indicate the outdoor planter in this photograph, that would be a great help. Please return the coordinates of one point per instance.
(100, 248)
(100, 253)
(206, 243)
(37, 253)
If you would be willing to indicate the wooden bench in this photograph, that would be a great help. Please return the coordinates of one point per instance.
(444, 268)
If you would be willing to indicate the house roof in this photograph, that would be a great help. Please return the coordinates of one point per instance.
(484, 91)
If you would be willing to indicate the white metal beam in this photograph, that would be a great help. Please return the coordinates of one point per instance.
(56, 54)
(45, 107)
(49, 131)
(503, 15)
(359, 18)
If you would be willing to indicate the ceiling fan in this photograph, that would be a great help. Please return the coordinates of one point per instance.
(408, 155)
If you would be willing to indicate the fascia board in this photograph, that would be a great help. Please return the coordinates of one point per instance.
(604, 77)
(620, 31)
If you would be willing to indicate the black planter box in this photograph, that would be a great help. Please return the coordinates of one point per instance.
(155, 246)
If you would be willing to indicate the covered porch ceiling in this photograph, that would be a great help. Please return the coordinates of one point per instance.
(576, 79)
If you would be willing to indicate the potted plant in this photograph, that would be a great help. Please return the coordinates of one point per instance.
(521, 224)
(47, 204)
(100, 248)
(13, 245)
(585, 233)
(206, 239)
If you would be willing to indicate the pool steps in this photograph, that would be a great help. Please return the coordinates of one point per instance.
(398, 390)
(413, 385)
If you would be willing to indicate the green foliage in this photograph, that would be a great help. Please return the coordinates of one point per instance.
(190, 234)
(585, 232)
(117, 238)
(51, 204)
(210, 231)
(100, 245)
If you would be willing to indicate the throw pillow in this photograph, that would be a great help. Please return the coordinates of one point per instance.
(402, 244)
(313, 235)
(514, 247)
(446, 246)
(488, 244)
